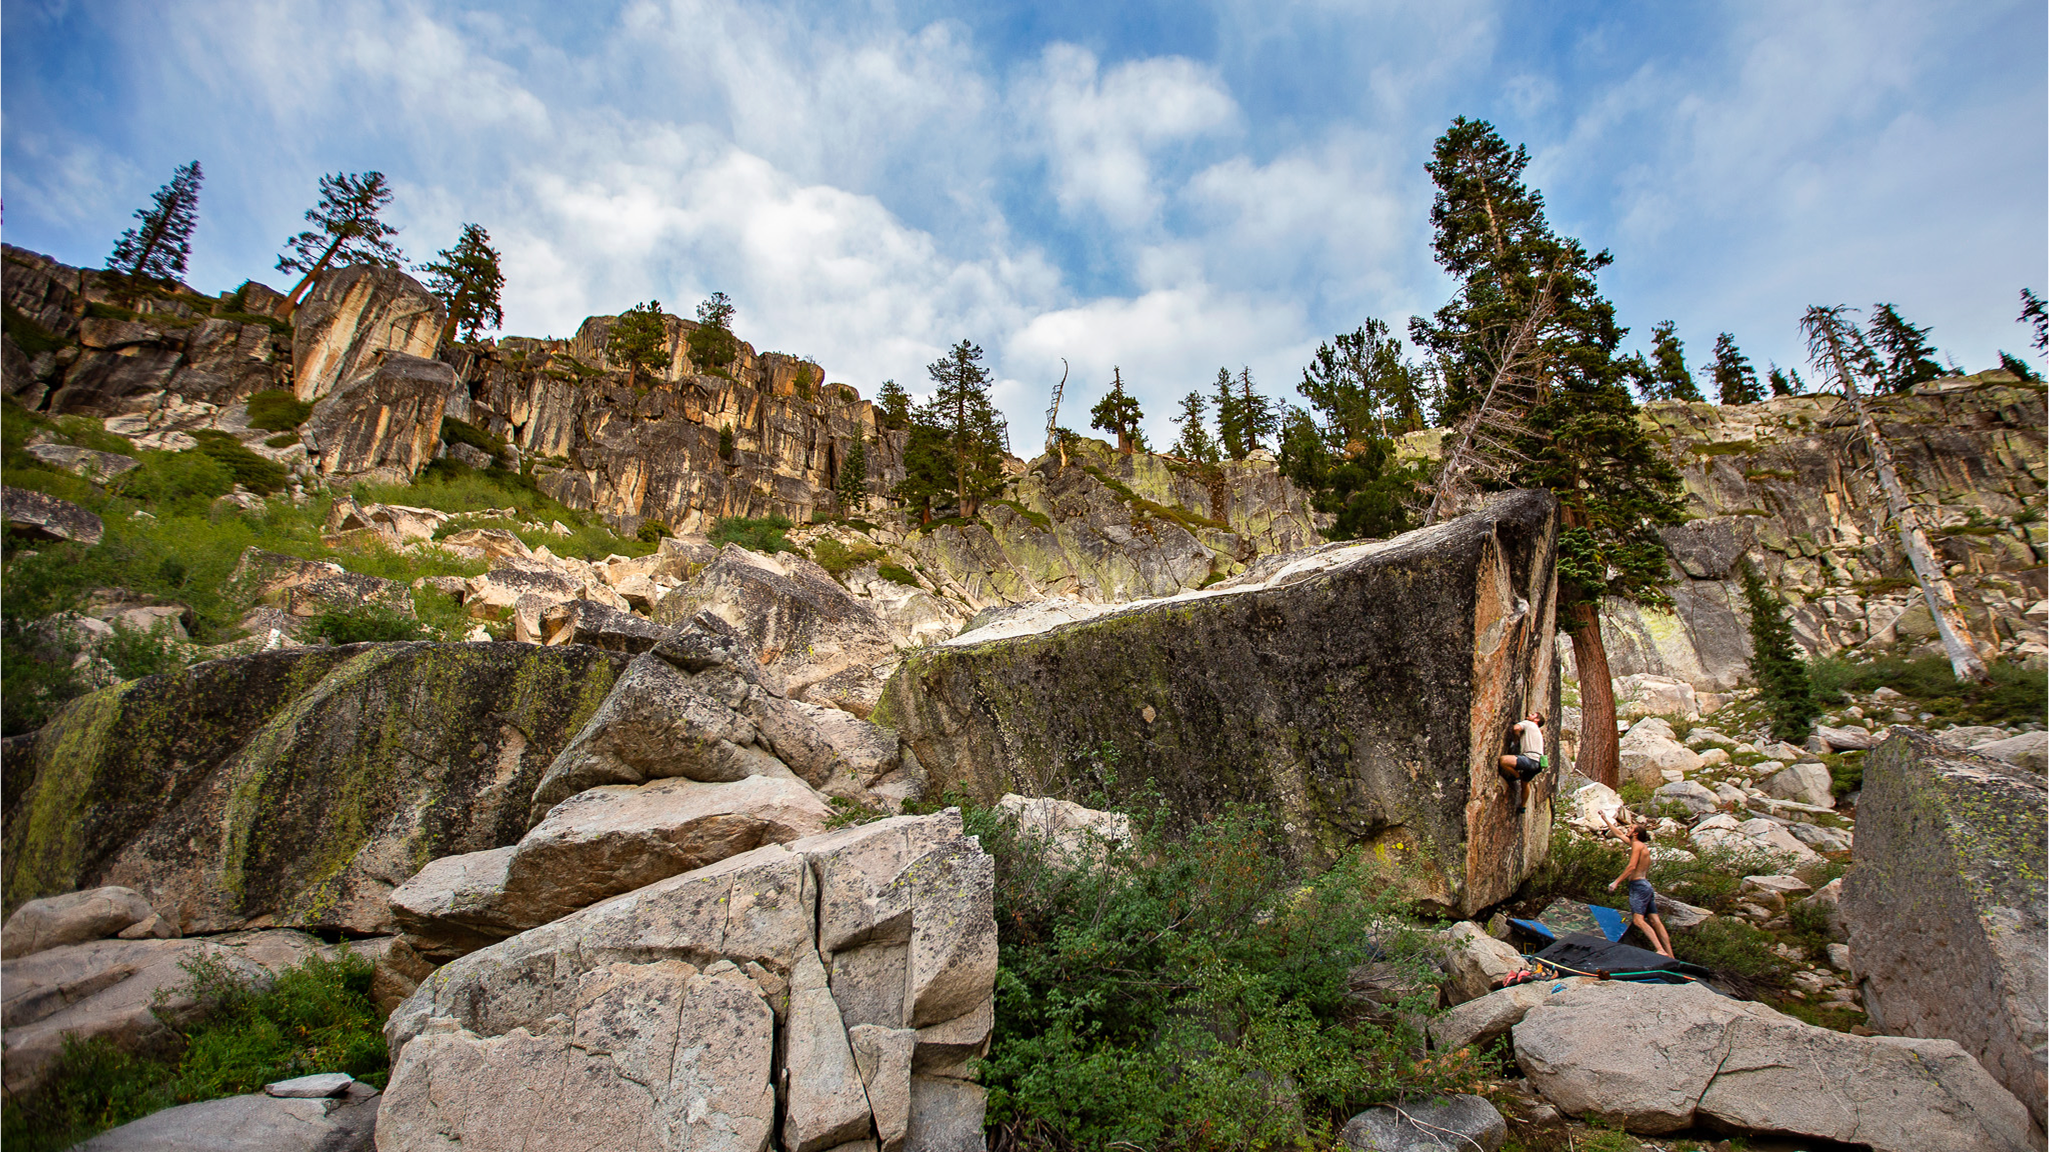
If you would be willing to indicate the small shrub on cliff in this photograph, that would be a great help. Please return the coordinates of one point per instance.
(277, 410)
(651, 532)
(839, 559)
(315, 1017)
(134, 653)
(763, 534)
(368, 623)
(256, 473)
(458, 432)
(897, 574)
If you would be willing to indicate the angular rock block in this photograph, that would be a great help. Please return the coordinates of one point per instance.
(383, 423)
(1945, 907)
(1658, 1058)
(1360, 693)
(821, 641)
(693, 1012)
(72, 918)
(353, 314)
(1464, 1122)
(256, 1123)
(295, 787)
(42, 517)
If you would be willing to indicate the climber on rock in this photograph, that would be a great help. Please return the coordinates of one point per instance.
(1522, 768)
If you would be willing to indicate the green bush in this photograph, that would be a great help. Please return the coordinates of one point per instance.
(839, 559)
(897, 574)
(1730, 946)
(174, 479)
(28, 335)
(2011, 695)
(1846, 775)
(455, 431)
(134, 653)
(282, 440)
(316, 1017)
(764, 534)
(651, 532)
(251, 471)
(371, 622)
(277, 410)
(1192, 992)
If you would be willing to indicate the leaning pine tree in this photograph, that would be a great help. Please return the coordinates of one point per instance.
(1528, 307)
(350, 231)
(1775, 662)
(157, 247)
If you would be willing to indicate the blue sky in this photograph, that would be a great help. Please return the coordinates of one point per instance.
(1168, 188)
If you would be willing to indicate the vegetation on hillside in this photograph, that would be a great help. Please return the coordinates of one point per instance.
(314, 1017)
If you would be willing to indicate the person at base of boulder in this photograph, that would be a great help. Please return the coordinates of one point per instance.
(1522, 768)
(1643, 899)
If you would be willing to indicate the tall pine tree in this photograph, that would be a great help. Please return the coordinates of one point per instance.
(350, 232)
(1258, 417)
(1195, 442)
(1669, 376)
(639, 339)
(894, 405)
(1119, 413)
(1582, 439)
(1735, 379)
(467, 280)
(851, 486)
(971, 431)
(161, 241)
(1230, 424)
(1776, 663)
(1907, 358)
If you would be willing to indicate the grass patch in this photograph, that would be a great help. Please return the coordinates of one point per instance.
(456, 431)
(897, 574)
(2012, 695)
(276, 410)
(1768, 474)
(315, 1017)
(1181, 516)
(1039, 520)
(762, 534)
(1726, 448)
(1733, 947)
(256, 473)
(32, 338)
(365, 623)
(282, 440)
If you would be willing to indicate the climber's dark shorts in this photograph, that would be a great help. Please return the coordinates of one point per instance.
(1527, 766)
(1642, 900)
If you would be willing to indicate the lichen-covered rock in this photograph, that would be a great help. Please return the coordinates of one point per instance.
(759, 967)
(1945, 906)
(302, 587)
(293, 787)
(353, 314)
(98, 467)
(382, 423)
(799, 622)
(1360, 694)
(599, 625)
(48, 518)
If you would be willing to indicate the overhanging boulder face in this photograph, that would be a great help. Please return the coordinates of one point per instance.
(1946, 904)
(1360, 694)
(294, 787)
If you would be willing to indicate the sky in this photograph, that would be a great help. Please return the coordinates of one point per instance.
(1163, 189)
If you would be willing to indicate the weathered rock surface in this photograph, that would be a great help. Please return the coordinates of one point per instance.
(698, 706)
(1658, 1058)
(1649, 750)
(758, 968)
(310, 587)
(72, 918)
(1945, 906)
(256, 1123)
(1428, 1125)
(1347, 692)
(1807, 783)
(352, 315)
(1488, 1018)
(1475, 962)
(383, 423)
(798, 622)
(42, 517)
(599, 625)
(112, 988)
(2029, 750)
(1071, 833)
(295, 787)
(598, 843)
(98, 467)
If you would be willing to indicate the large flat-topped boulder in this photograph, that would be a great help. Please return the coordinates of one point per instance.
(1359, 693)
(1945, 905)
(296, 787)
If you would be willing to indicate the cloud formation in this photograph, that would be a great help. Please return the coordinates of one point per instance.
(870, 185)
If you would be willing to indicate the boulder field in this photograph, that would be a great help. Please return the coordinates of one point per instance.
(1359, 693)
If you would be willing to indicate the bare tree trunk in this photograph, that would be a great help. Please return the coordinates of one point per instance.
(1600, 757)
(291, 303)
(1825, 329)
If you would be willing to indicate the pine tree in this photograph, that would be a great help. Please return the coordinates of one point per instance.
(1668, 365)
(972, 431)
(894, 404)
(639, 339)
(1230, 422)
(350, 232)
(1361, 387)
(2017, 366)
(928, 469)
(1583, 441)
(467, 280)
(1639, 377)
(1119, 413)
(2036, 315)
(712, 343)
(1735, 379)
(1259, 417)
(1194, 442)
(1784, 383)
(1776, 663)
(158, 246)
(851, 487)
(1908, 358)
